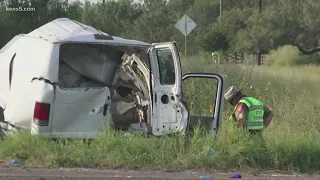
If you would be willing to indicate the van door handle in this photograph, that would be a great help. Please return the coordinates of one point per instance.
(105, 107)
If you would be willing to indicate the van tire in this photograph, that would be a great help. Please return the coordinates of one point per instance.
(1, 120)
(1, 114)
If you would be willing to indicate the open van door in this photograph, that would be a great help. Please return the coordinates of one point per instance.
(169, 114)
(203, 94)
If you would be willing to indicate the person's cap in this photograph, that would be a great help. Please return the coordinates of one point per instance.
(231, 92)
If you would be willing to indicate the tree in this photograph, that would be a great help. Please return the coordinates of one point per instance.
(243, 27)
(155, 24)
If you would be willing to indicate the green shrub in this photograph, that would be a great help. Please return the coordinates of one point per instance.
(289, 56)
(308, 59)
(283, 56)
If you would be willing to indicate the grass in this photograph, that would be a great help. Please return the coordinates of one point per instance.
(290, 143)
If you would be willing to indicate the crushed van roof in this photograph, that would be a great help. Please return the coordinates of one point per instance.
(67, 30)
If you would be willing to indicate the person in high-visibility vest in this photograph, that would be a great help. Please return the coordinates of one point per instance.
(249, 112)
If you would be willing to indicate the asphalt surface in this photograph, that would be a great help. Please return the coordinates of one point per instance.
(15, 173)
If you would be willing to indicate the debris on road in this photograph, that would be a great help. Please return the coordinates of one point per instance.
(15, 161)
(236, 176)
(206, 177)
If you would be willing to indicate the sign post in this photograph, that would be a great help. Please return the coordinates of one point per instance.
(185, 25)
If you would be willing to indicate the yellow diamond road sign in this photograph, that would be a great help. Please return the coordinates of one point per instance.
(185, 25)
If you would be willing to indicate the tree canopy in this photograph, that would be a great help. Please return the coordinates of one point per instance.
(243, 27)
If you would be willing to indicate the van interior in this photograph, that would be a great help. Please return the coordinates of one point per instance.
(96, 66)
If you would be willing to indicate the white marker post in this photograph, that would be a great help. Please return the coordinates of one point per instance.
(185, 25)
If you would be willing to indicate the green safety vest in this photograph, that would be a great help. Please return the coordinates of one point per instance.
(255, 114)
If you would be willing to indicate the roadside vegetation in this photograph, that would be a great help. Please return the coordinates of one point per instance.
(290, 143)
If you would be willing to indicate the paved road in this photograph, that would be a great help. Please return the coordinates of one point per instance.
(17, 173)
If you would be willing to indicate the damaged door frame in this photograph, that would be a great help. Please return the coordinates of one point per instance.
(176, 120)
(219, 101)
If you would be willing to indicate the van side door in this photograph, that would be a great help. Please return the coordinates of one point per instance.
(203, 95)
(169, 114)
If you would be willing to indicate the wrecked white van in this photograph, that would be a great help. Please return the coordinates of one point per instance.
(66, 79)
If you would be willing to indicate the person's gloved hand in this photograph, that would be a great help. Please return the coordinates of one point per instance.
(240, 122)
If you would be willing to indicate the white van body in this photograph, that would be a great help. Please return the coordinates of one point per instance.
(66, 79)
